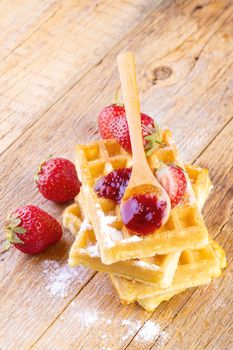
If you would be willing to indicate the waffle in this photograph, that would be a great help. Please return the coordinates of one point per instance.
(185, 228)
(199, 178)
(151, 303)
(159, 269)
(195, 267)
(72, 218)
(201, 183)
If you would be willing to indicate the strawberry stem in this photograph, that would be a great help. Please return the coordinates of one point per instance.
(13, 229)
(117, 97)
(39, 168)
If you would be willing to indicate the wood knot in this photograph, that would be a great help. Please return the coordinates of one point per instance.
(198, 7)
(161, 73)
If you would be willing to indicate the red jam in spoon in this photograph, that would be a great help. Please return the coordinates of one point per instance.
(143, 213)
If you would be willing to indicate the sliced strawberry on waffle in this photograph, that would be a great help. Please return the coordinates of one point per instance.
(173, 180)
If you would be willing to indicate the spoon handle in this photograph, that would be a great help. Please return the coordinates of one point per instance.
(127, 70)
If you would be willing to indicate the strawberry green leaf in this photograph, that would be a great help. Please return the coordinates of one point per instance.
(149, 138)
(20, 230)
(15, 222)
(5, 246)
(148, 146)
(16, 239)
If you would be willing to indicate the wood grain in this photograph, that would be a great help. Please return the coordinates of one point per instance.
(20, 19)
(56, 75)
(51, 60)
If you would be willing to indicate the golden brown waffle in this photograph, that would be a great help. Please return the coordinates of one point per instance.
(150, 304)
(201, 183)
(195, 267)
(159, 269)
(199, 178)
(185, 228)
(72, 218)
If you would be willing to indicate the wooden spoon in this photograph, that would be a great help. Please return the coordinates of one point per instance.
(142, 179)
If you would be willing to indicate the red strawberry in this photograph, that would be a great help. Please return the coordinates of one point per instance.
(32, 230)
(173, 180)
(108, 113)
(57, 180)
(120, 131)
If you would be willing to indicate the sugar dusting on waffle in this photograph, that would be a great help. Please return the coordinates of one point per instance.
(85, 226)
(116, 243)
(146, 265)
(111, 234)
(92, 250)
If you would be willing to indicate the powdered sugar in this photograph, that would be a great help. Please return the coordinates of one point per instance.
(130, 328)
(60, 277)
(106, 219)
(133, 238)
(111, 234)
(150, 332)
(91, 250)
(85, 226)
(89, 318)
(146, 265)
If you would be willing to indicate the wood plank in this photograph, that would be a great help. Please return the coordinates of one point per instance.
(98, 310)
(192, 320)
(21, 18)
(43, 286)
(183, 66)
(74, 39)
(185, 93)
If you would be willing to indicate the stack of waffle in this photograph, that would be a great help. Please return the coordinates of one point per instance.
(147, 269)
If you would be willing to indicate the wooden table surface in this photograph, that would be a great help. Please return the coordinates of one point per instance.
(57, 70)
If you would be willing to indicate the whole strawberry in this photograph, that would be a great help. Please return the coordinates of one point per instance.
(57, 180)
(120, 131)
(32, 230)
(107, 114)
